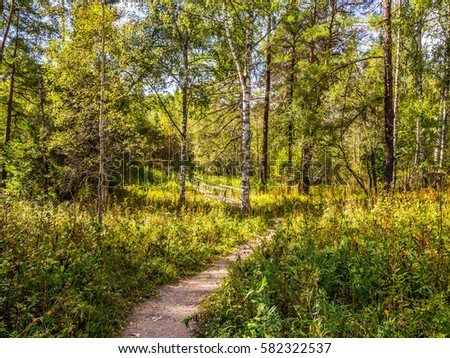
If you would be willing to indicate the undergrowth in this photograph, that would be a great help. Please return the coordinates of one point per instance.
(341, 266)
(61, 275)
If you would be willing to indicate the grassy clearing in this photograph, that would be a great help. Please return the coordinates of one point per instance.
(63, 276)
(343, 267)
(339, 266)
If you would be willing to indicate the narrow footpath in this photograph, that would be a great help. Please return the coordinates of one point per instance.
(162, 317)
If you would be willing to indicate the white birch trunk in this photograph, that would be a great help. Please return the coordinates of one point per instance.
(184, 120)
(244, 73)
(419, 154)
(396, 95)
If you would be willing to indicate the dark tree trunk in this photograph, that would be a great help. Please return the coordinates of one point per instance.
(9, 109)
(291, 119)
(307, 155)
(290, 133)
(307, 148)
(7, 27)
(388, 99)
(101, 124)
(44, 129)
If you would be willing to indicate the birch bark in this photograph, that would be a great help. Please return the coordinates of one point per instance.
(244, 73)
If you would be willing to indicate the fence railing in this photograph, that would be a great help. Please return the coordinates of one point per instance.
(226, 193)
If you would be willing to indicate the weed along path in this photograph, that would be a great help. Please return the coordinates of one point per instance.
(163, 316)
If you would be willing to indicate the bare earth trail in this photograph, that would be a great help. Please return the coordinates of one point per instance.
(163, 316)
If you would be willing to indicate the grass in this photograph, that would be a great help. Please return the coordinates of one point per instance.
(61, 275)
(342, 267)
(339, 265)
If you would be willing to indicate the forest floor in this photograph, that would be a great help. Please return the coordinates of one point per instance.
(164, 316)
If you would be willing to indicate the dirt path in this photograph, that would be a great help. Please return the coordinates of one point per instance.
(163, 316)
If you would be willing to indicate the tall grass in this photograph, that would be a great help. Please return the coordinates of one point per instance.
(61, 275)
(341, 266)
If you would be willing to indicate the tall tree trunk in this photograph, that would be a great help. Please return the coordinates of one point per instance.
(101, 123)
(442, 128)
(244, 74)
(183, 154)
(63, 20)
(7, 27)
(10, 102)
(443, 132)
(308, 146)
(265, 143)
(246, 132)
(439, 150)
(388, 99)
(333, 13)
(291, 102)
(292, 79)
(419, 154)
(396, 95)
(307, 156)
(44, 128)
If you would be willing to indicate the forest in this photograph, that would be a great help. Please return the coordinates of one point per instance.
(143, 140)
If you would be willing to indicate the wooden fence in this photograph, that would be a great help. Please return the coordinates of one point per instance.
(226, 193)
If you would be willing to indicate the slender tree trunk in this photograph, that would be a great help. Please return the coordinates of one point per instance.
(246, 132)
(265, 144)
(307, 156)
(441, 138)
(308, 146)
(63, 20)
(9, 109)
(443, 133)
(183, 154)
(396, 96)
(373, 158)
(244, 79)
(291, 102)
(292, 79)
(101, 123)
(388, 99)
(419, 154)
(439, 150)
(333, 13)
(44, 128)
(7, 27)
(9, 116)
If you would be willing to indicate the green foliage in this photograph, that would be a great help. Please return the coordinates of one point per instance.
(61, 275)
(346, 269)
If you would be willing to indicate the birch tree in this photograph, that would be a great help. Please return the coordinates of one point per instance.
(243, 63)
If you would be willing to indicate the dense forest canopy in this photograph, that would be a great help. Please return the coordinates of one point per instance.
(298, 92)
